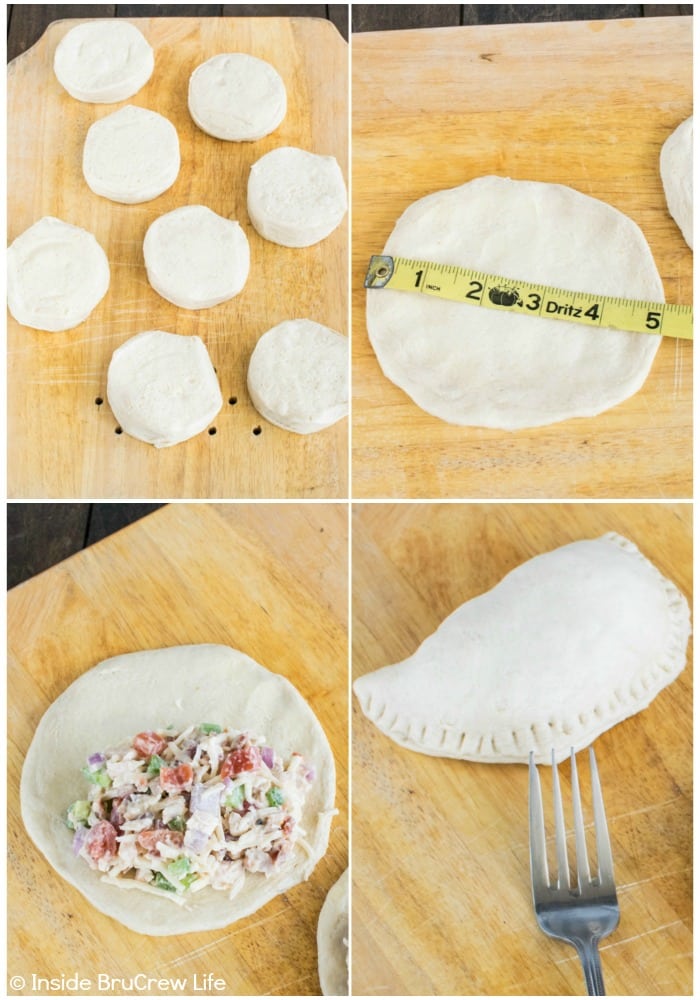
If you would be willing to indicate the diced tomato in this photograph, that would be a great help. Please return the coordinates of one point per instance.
(149, 743)
(149, 839)
(246, 758)
(176, 779)
(101, 841)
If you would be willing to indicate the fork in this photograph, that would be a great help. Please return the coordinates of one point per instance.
(584, 913)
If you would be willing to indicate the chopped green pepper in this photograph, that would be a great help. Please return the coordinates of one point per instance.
(98, 777)
(161, 882)
(274, 796)
(179, 868)
(234, 799)
(154, 765)
(209, 727)
(177, 823)
(77, 814)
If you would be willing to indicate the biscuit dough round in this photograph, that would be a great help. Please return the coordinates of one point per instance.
(296, 198)
(150, 689)
(237, 96)
(480, 367)
(56, 275)
(131, 156)
(102, 62)
(332, 936)
(162, 387)
(298, 376)
(196, 258)
(677, 177)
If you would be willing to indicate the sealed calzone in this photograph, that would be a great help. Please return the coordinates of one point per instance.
(565, 646)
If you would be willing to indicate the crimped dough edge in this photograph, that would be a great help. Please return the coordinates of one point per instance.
(543, 736)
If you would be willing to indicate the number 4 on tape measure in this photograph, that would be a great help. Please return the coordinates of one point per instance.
(459, 284)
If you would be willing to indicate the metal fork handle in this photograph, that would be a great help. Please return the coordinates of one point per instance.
(590, 960)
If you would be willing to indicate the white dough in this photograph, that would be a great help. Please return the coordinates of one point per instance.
(102, 62)
(162, 387)
(132, 155)
(470, 365)
(567, 645)
(677, 177)
(56, 275)
(332, 935)
(151, 689)
(298, 376)
(196, 258)
(237, 97)
(296, 198)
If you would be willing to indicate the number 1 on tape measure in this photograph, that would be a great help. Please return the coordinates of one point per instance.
(459, 284)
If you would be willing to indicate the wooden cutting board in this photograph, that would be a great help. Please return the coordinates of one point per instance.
(270, 580)
(61, 443)
(587, 104)
(441, 881)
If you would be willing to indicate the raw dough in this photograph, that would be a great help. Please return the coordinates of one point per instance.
(162, 387)
(102, 62)
(196, 258)
(332, 937)
(56, 275)
(677, 177)
(296, 198)
(152, 689)
(236, 96)
(564, 647)
(298, 376)
(132, 155)
(469, 365)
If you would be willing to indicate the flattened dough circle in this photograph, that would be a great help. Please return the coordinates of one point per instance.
(102, 62)
(180, 685)
(480, 367)
(162, 387)
(332, 935)
(56, 275)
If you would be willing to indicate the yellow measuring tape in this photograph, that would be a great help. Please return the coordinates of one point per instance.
(459, 284)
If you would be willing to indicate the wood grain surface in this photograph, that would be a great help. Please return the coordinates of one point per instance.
(61, 442)
(587, 104)
(268, 579)
(441, 880)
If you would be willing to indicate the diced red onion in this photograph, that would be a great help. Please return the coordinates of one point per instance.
(95, 759)
(268, 756)
(79, 838)
(310, 773)
(196, 840)
(206, 800)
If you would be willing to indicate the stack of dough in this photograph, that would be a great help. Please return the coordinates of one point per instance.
(298, 376)
(237, 97)
(195, 258)
(296, 198)
(132, 155)
(162, 387)
(102, 62)
(56, 275)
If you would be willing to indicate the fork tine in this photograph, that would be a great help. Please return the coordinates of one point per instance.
(582, 868)
(605, 864)
(538, 844)
(560, 830)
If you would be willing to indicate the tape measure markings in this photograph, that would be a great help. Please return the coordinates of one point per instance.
(459, 284)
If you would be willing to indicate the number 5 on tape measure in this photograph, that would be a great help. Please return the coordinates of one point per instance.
(459, 284)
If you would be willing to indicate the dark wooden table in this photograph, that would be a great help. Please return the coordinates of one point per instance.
(39, 535)
(382, 17)
(27, 22)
